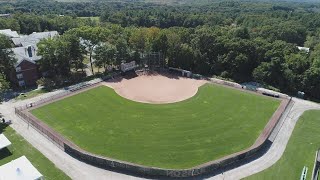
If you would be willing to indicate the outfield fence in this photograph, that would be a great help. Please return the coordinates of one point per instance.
(212, 167)
(316, 167)
(41, 128)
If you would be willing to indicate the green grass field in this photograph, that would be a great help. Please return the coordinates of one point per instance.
(299, 152)
(20, 147)
(214, 123)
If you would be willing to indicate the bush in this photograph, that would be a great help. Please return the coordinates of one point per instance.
(47, 83)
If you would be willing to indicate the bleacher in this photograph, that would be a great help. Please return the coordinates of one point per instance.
(80, 86)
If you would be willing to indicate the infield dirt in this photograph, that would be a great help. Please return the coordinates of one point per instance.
(155, 88)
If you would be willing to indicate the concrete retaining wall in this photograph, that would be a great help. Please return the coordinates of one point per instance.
(210, 167)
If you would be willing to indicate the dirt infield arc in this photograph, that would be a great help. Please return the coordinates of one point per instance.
(150, 88)
(116, 165)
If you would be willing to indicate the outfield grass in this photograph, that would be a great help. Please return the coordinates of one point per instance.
(300, 151)
(214, 123)
(20, 147)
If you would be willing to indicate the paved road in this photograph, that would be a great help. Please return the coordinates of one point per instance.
(79, 170)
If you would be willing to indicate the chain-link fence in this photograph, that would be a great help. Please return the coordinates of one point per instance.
(107, 163)
(41, 128)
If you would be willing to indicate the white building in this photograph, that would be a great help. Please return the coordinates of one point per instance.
(4, 142)
(9, 33)
(19, 169)
(304, 49)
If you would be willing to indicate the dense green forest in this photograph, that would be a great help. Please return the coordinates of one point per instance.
(238, 40)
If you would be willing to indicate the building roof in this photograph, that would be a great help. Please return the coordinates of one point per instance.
(33, 38)
(19, 169)
(5, 15)
(303, 49)
(9, 33)
(4, 142)
(21, 54)
(43, 35)
(17, 41)
(24, 41)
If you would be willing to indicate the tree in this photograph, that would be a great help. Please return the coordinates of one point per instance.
(161, 44)
(138, 39)
(311, 80)
(275, 73)
(47, 83)
(76, 50)
(122, 53)
(151, 34)
(28, 23)
(56, 59)
(4, 85)
(185, 57)
(105, 54)
(242, 33)
(7, 60)
(91, 37)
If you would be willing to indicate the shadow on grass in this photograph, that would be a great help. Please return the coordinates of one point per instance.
(3, 127)
(4, 153)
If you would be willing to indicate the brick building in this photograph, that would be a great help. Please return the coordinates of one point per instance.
(26, 68)
(25, 51)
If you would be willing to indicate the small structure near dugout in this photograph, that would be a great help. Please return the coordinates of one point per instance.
(268, 92)
(128, 66)
(182, 72)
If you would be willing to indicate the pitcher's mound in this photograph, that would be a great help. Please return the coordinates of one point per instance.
(156, 88)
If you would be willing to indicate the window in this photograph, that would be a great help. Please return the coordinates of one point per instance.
(18, 69)
(19, 76)
(21, 83)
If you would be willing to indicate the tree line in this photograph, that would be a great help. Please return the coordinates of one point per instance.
(7, 62)
(240, 41)
(227, 52)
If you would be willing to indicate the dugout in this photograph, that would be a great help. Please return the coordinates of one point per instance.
(128, 66)
(181, 72)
